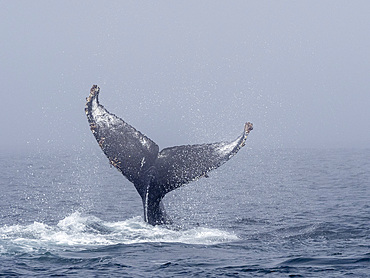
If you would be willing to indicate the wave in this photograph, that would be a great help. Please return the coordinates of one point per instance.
(326, 261)
(79, 232)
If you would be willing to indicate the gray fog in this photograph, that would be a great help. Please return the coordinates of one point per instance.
(185, 72)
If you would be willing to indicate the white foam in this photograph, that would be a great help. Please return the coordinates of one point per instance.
(83, 232)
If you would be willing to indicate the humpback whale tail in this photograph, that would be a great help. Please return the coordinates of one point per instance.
(154, 173)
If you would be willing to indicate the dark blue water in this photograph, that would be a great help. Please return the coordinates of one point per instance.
(265, 213)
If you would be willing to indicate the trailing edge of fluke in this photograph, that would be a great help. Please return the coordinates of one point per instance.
(154, 173)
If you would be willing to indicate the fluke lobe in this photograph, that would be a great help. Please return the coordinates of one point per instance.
(154, 173)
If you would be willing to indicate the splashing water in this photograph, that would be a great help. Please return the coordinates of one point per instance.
(79, 232)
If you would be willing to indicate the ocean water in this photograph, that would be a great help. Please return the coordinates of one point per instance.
(265, 213)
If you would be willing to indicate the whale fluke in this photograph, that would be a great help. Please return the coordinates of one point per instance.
(154, 173)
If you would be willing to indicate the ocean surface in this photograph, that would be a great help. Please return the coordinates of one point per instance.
(265, 213)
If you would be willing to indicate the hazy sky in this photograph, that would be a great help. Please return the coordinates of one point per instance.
(187, 71)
